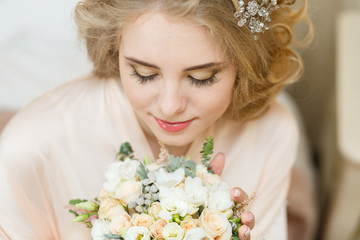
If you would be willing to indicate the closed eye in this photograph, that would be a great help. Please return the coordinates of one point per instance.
(142, 78)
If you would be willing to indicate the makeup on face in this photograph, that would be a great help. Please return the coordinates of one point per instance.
(173, 126)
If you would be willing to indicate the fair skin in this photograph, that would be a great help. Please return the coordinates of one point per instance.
(178, 95)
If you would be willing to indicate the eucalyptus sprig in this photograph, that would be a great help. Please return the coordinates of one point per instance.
(207, 150)
(125, 152)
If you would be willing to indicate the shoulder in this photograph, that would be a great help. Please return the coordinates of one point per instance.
(276, 123)
(45, 120)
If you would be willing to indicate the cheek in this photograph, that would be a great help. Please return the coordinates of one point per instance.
(218, 101)
(139, 96)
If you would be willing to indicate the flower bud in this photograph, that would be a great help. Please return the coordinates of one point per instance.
(81, 218)
(88, 206)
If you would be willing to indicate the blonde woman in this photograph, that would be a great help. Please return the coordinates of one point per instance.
(169, 71)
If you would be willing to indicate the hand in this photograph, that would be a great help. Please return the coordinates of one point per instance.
(238, 196)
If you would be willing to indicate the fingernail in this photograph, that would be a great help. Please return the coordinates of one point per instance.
(237, 192)
(247, 233)
(250, 218)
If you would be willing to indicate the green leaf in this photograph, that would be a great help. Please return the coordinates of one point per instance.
(207, 150)
(174, 163)
(125, 151)
(73, 212)
(112, 236)
(142, 171)
(190, 168)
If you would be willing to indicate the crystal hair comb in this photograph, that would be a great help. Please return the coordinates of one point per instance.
(255, 15)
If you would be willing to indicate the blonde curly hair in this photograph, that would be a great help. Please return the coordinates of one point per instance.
(264, 66)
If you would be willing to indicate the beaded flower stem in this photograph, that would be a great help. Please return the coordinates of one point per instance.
(164, 154)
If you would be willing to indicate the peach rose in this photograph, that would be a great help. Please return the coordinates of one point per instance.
(215, 224)
(120, 221)
(156, 229)
(142, 220)
(128, 191)
(209, 178)
(109, 207)
(189, 223)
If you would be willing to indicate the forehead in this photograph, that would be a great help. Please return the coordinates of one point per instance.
(157, 37)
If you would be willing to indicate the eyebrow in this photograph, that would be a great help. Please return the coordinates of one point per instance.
(197, 67)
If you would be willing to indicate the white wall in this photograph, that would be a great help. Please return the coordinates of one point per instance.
(39, 49)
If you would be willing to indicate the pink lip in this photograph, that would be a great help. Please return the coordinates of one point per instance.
(173, 126)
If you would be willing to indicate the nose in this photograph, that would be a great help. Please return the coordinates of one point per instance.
(172, 100)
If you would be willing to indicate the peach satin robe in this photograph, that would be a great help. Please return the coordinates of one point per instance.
(59, 147)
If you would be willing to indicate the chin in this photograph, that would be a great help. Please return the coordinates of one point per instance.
(177, 140)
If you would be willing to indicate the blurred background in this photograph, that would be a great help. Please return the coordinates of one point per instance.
(39, 49)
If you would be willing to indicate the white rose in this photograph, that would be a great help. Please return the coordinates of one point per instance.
(128, 191)
(112, 176)
(166, 179)
(153, 167)
(118, 171)
(201, 169)
(128, 169)
(136, 233)
(195, 234)
(195, 192)
(173, 231)
(99, 229)
(173, 201)
(220, 197)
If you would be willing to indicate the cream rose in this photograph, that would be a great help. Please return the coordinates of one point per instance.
(128, 191)
(157, 228)
(154, 210)
(173, 231)
(142, 220)
(109, 207)
(196, 234)
(215, 223)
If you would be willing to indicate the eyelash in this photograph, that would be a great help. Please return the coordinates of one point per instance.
(204, 82)
(193, 81)
(142, 79)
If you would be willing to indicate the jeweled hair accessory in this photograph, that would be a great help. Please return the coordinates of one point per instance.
(255, 15)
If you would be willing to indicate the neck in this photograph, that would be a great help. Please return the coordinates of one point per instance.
(173, 150)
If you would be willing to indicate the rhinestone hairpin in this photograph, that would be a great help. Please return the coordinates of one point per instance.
(255, 15)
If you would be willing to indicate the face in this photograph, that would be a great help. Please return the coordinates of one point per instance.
(177, 81)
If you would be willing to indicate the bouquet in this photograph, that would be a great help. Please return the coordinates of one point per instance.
(169, 198)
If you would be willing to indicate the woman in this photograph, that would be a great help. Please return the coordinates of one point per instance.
(169, 71)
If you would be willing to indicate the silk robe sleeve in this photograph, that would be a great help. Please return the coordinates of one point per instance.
(260, 162)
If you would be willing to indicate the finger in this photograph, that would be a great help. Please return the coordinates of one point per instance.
(244, 232)
(247, 218)
(217, 163)
(238, 195)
